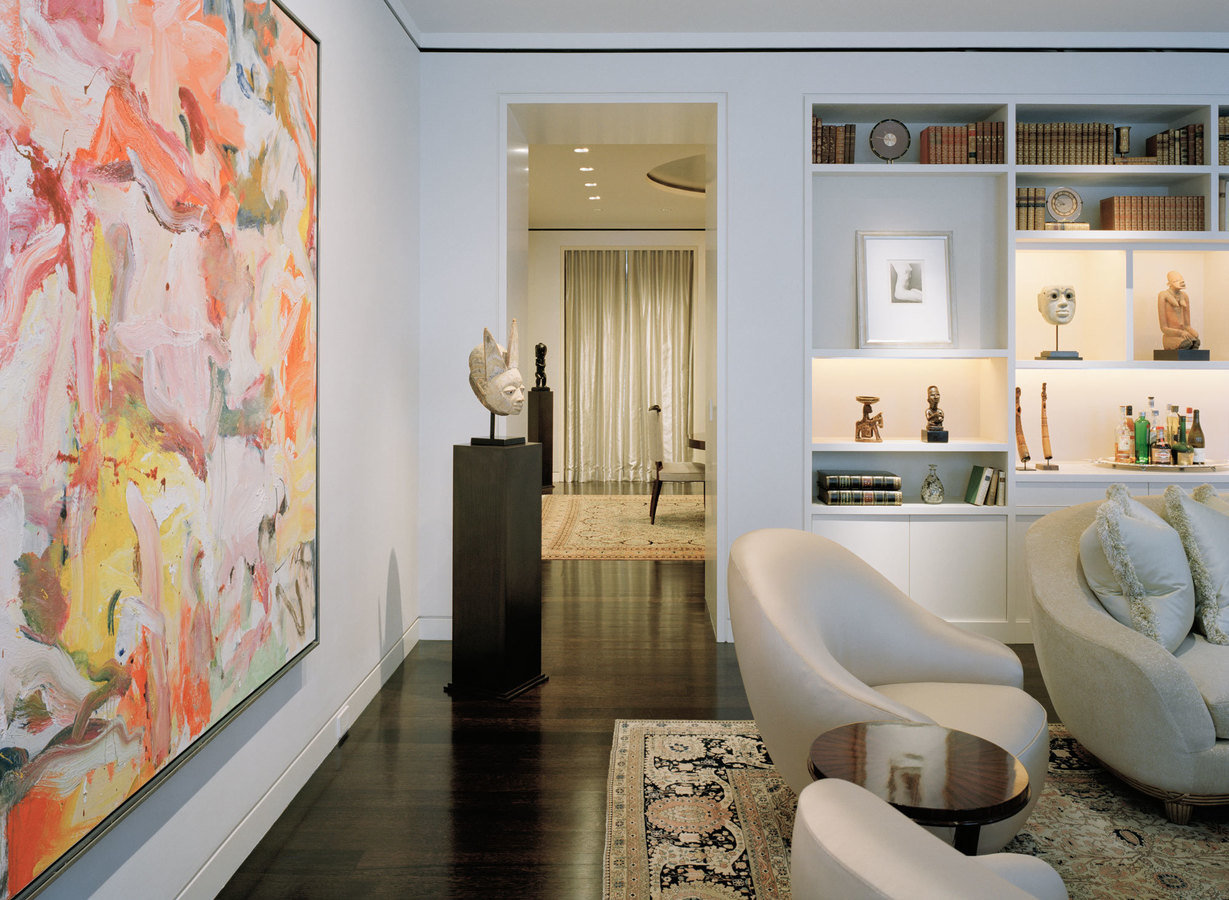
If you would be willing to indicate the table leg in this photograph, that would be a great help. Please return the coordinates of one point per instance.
(965, 839)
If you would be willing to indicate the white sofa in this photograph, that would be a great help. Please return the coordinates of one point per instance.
(850, 845)
(1144, 712)
(824, 640)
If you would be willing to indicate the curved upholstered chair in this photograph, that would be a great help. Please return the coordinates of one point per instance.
(1131, 703)
(665, 471)
(824, 640)
(850, 845)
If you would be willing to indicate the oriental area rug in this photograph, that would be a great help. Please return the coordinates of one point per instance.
(616, 526)
(696, 811)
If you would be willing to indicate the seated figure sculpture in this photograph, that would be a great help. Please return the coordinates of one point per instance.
(1173, 307)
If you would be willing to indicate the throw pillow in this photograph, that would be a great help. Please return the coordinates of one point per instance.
(1135, 564)
(1206, 494)
(1205, 537)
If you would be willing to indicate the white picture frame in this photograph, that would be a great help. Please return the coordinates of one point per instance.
(905, 296)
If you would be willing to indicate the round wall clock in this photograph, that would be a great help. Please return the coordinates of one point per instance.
(889, 139)
(1064, 204)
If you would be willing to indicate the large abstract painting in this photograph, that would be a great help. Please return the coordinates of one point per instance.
(158, 294)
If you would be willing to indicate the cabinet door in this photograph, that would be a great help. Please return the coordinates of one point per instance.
(883, 543)
(958, 567)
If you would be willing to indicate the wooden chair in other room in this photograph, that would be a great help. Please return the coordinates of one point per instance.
(666, 471)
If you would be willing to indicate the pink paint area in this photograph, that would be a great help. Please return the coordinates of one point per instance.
(158, 375)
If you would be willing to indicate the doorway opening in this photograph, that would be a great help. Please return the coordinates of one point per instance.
(630, 179)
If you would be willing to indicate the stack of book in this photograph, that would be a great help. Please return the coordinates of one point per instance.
(977, 142)
(867, 488)
(1177, 146)
(1031, 213)
(832, 143)
(987, 487)
(1152, 213)
(1030, 208)
(1064, 143)
(1222, 145)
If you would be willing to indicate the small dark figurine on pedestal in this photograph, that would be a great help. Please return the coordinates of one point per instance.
(867, 428)
(539, 376)
(933, 433)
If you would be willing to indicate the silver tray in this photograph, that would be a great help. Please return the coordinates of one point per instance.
(1136, 467)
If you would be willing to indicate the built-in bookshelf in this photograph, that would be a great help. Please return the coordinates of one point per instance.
(1148, 194)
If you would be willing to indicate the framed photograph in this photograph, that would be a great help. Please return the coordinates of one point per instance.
(905, 296)
(158, 367)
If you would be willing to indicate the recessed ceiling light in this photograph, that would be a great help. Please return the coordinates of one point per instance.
(586, 168)
(595, 197)
(590, 184)
(580, 150)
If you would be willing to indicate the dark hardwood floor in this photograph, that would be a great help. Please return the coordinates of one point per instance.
(437, 798)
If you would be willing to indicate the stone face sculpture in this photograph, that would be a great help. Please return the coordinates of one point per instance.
(1173, 308)
(1057, 304)
(494, 376)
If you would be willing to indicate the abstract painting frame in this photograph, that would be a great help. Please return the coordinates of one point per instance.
(158, 368)
(905, 296)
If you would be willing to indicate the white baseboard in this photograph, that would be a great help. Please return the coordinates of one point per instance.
(225, 861)
(436, 628)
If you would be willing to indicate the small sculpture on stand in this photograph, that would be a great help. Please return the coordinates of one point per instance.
(867, 428)
(1057, 306)
(539, 376)
(1173, 309)
(1046, 466)
(497, 382)
(1021, 444)
(933, 433)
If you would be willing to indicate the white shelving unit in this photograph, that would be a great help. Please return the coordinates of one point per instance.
(966, 562)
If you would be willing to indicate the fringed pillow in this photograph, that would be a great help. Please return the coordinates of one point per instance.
(1135, 564)
(1204, 530)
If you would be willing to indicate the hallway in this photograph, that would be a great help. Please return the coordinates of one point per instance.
(430, 797)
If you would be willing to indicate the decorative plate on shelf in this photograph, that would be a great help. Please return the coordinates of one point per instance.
(1064, 204)
(1112, 463)
(889, 139)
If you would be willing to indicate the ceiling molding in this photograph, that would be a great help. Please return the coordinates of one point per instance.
(797, 42)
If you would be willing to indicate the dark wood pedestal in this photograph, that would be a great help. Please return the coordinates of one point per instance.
(541, 425)
(496, 570)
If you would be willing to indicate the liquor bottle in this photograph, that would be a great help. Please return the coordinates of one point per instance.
(1141, 439)
(1171, 422)
(1195, 439)
(1181, 429)
(1124, 440)
(1161, 455)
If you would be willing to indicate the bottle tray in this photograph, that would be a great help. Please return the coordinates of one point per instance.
(1136, 467)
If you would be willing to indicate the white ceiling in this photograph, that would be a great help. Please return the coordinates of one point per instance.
(559, 195)
(814, 23)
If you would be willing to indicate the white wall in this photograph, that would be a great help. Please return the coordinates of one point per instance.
(545, 319)
(760, 433)
(201, 824)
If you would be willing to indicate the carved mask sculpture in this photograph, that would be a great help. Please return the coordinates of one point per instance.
(1057, 304)
(494, 376)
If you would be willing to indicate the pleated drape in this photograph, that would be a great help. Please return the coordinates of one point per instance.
(627, 345)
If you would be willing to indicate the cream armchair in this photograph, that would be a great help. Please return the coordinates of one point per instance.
(850, 845)
(1131, 703)
(823, 640)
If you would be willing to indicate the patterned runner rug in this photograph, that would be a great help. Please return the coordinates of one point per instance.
(616, 526)
(695, 811)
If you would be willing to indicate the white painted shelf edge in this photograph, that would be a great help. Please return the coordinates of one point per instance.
(952, 508)
(831, 445)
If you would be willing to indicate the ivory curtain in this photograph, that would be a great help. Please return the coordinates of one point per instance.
(627, 327)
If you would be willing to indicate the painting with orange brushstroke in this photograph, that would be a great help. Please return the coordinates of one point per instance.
(158, 310)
